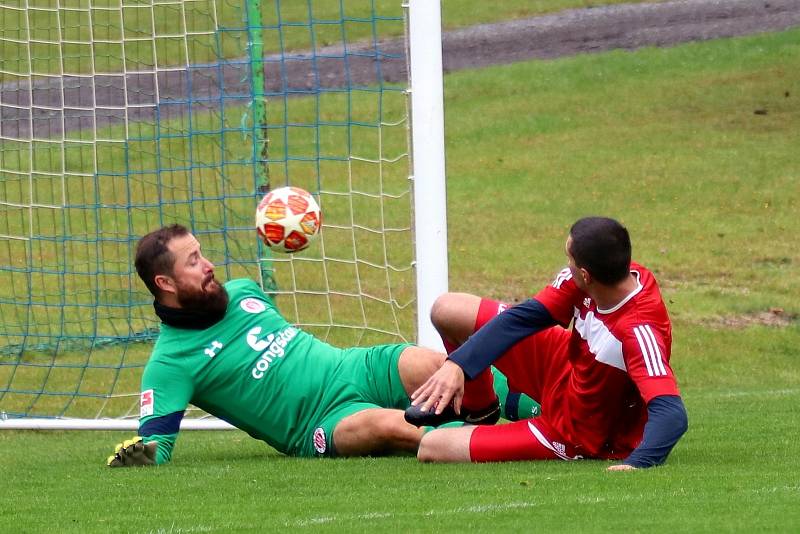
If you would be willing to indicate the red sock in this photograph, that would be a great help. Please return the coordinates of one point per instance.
(479, 392)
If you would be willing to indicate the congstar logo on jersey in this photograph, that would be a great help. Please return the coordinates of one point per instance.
(271, 347)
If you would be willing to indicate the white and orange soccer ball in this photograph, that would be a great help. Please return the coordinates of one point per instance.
(288, 219)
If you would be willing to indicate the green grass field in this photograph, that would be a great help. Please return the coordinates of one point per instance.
(668, 141)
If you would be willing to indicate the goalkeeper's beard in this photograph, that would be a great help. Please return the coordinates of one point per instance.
(211, 298)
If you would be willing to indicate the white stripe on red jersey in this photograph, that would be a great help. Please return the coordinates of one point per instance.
(602, 344)
(564, 275)
(652, 355)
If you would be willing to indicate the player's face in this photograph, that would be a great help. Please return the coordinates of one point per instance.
(578, 274)
(193, 277)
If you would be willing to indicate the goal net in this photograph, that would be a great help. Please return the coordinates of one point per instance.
(120, 116)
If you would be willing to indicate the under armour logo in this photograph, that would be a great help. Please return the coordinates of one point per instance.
(212, 350)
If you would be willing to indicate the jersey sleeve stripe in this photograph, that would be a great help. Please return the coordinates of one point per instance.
(650, 351)
(561, 277)
(644, 349)
(659, 359)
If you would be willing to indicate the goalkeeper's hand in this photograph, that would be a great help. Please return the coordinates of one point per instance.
(133, 452)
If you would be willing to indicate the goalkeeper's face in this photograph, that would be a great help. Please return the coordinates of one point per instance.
(196, 288)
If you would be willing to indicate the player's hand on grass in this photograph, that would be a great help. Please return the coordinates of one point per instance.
(133, 452)
(621, 467)
(444, 386)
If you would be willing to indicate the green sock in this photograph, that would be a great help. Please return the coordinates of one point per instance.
(513, 405)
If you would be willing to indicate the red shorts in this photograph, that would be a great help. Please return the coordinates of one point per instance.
(537, 366)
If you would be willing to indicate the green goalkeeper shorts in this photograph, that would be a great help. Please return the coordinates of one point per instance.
(368, 378)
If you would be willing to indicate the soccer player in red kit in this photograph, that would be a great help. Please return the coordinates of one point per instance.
(606, 386)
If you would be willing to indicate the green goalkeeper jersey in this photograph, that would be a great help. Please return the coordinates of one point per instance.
(252, 369)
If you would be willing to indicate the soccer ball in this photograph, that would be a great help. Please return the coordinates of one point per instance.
(288, 219)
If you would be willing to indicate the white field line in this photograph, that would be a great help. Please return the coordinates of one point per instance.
(487, 508)
(776, 489)
(478, 509)
(180, 530)
(751, 393)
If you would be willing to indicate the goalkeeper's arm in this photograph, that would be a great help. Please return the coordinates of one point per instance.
(159, 434)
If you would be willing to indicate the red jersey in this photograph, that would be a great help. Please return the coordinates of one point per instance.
(618, 361)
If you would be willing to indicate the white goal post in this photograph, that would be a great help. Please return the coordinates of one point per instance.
(427, 134)
(209, 423)
(106, 105)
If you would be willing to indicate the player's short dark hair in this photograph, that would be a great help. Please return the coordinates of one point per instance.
(602, 246)
(154, 258)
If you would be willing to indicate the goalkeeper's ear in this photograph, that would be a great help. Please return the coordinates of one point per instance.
(133, 452)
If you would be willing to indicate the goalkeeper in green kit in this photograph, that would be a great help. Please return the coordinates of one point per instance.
(227, 350)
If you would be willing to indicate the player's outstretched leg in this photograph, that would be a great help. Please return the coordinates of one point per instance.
(416, 365)
(523, 440)
(375, 431)
(446, 445)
